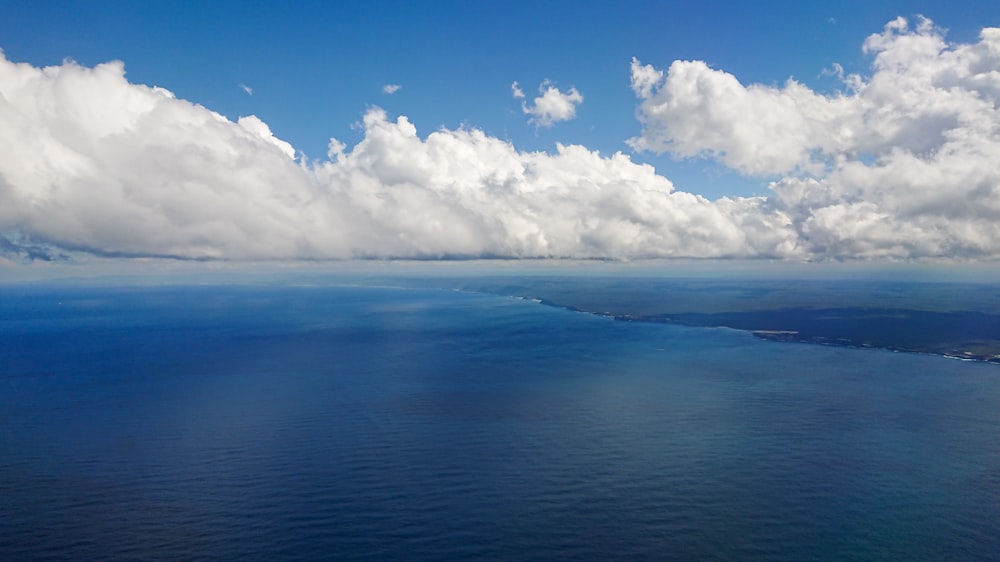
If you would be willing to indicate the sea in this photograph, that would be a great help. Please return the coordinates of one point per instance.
(229, 422)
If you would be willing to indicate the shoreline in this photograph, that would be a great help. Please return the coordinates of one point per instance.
(777, 335)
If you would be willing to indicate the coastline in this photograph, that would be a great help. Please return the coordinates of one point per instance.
(788, 335)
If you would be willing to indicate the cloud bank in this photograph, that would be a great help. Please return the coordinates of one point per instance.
(900, 164)
(91, 162)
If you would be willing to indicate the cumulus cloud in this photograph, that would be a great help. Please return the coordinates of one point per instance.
(253, 124)
(391, 88)
(921, 91)
(694, 110)
(901, 163)
(246, 89)
(91, 162)
(551, 106)
(644, 78)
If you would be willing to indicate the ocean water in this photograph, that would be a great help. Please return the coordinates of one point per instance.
(243, 423)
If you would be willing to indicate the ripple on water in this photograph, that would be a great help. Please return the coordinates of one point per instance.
(438, 425)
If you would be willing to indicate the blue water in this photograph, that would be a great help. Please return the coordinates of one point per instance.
(367, 423)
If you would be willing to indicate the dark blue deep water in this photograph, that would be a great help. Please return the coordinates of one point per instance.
(367, 423)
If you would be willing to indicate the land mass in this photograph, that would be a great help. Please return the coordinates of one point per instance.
(959, 320)
(966, 335)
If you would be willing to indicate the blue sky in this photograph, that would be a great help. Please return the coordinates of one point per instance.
(316, 69)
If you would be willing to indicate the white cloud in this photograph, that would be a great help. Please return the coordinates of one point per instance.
(253, 124)
(391, 88)
(900, 165)
(644, 78)
(516, 90)
(920, 89)
(694, 110)
(91, 162)
(335, 149)
(464, 193)
(246, 89)
(551, 106)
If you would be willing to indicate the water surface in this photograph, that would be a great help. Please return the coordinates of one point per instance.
(369, 423)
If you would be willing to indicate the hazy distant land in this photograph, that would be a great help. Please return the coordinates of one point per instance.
(952, 319)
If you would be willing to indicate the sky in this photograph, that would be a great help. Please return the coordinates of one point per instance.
(803, 131)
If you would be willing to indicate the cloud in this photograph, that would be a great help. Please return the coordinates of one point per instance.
(921, 90)
(253, 124)
(694, 110)
(516, 90)
(391, 88)
(247, 89)
(464, 193)
(644, 78)
(90, 162)
(551, 106)
(901, 163)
